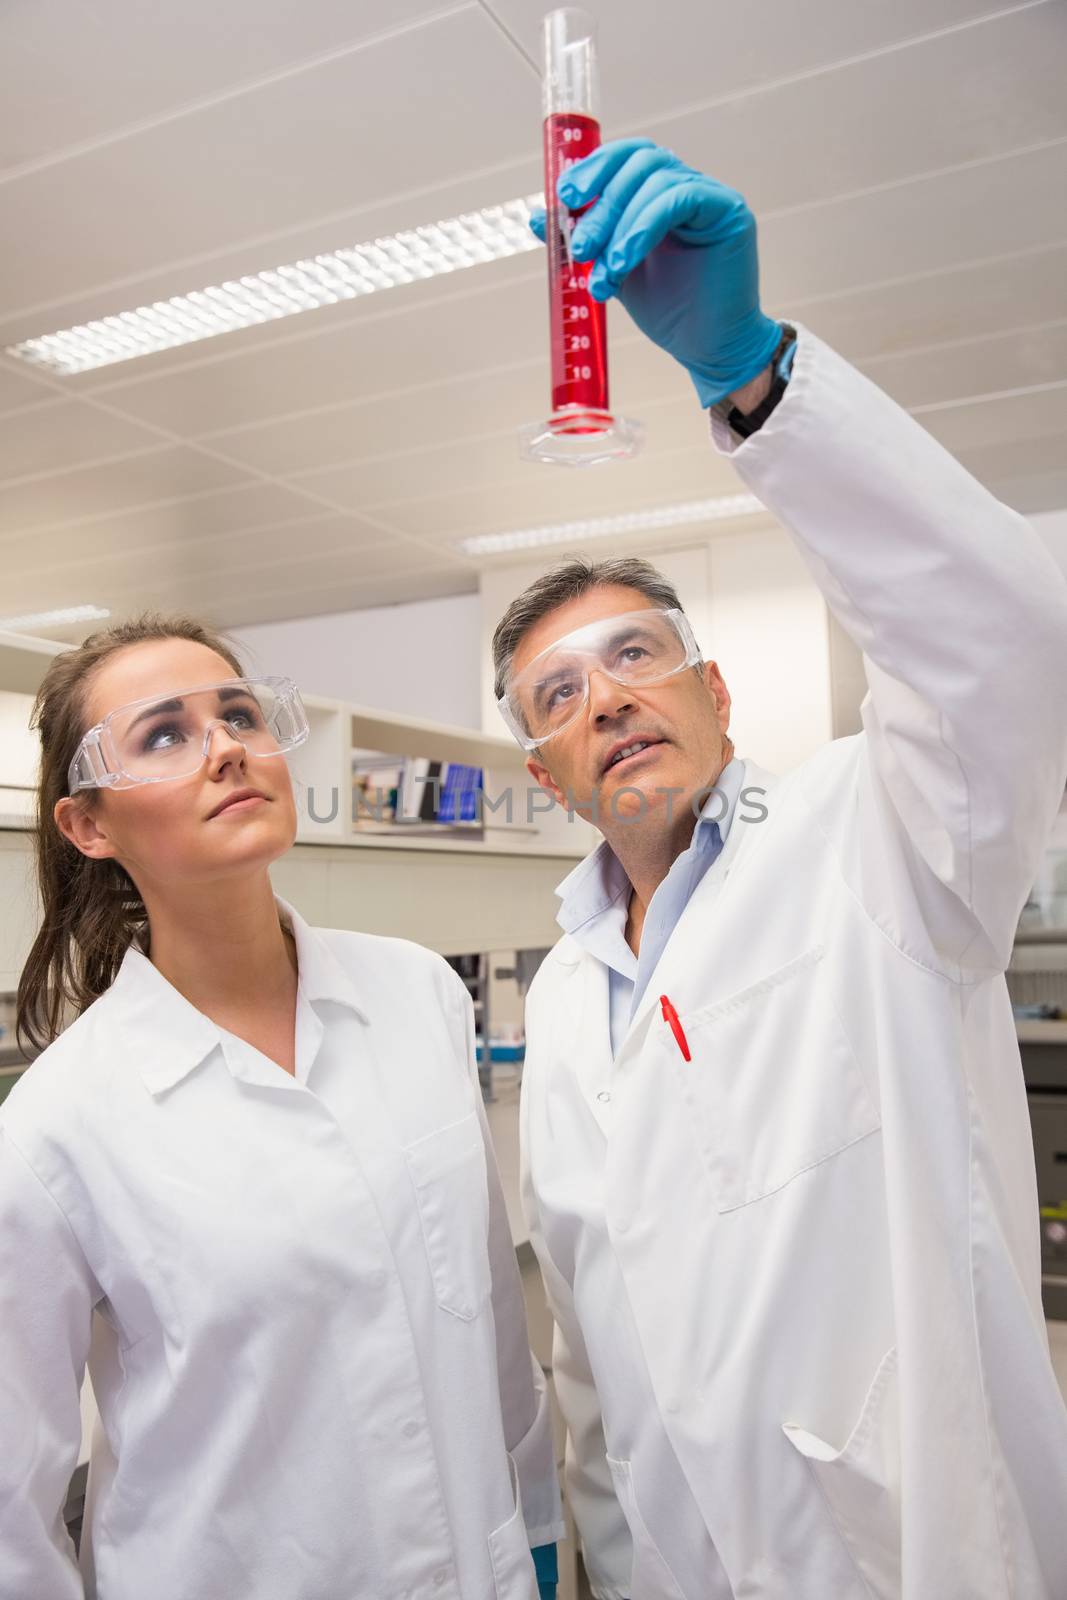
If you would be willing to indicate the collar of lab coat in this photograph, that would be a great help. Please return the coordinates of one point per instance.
(166, 1034)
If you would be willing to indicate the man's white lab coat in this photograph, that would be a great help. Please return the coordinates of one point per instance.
(297, 1296)
(800, 1340)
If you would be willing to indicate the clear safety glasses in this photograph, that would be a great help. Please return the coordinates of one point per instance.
(635, 647)
(154, 740)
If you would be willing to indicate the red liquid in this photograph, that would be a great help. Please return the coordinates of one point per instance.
(577, 322)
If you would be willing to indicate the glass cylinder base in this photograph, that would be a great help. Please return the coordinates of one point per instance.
(580, 436)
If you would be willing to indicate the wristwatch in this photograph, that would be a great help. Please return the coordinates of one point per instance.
(782, 365)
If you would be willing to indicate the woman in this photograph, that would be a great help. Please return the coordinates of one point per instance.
(250, 1186)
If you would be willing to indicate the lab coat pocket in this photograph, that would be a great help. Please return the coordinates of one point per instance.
(448, 1173)
(775, 1086)
(514, 1576)
(861, 1482)
(650, 1578)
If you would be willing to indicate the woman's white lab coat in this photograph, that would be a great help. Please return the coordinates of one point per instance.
(801, 1348)
(297, 1297)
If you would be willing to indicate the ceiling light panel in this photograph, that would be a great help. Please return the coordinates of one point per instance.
(345, 274)
(676, 516)
(61, 618)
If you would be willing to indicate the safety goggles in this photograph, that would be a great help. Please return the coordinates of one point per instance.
(158, 739)
(636, 647)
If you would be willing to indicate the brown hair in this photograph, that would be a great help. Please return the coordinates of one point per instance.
(569, 581)
(91, 910)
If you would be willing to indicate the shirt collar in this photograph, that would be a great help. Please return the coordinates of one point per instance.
(727, 789)
(599, 881)
(167, 1036)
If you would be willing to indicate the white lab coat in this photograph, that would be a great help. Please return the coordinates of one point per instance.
(297, 1296)
(800, 1341)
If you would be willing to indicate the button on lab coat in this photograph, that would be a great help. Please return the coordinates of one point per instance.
(297, 1297)
(800, 1343)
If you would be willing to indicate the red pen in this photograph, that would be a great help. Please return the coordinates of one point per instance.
(670, 1017)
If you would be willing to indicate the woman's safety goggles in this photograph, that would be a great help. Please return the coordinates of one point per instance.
(636, 647)
(154, 740)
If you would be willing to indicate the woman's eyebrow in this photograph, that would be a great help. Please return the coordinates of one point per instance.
(155, 709)
(176, 703)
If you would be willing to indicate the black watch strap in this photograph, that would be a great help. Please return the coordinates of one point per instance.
(782, 361)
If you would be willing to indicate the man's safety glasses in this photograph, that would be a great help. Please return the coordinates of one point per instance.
(157, 739)
(636, 647)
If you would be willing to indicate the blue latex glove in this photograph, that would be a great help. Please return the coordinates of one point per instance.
(679, 251)
(546, 1564)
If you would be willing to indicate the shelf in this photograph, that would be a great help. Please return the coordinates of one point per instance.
(1031, 1030)
(397, 735)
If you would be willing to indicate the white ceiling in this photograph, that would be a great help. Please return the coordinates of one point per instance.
(907, 160)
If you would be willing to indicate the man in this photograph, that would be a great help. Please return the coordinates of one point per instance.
(777, 1159)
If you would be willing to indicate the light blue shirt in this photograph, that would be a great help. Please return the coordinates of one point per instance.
(595, 900)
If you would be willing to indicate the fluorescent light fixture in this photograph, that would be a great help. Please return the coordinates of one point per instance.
(44, 619)
(677, 516)
(448, 246)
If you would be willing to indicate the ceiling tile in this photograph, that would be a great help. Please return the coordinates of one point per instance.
(692, 53)
(19, 388)
(76, 73)
(846, 130)
(275, 153)
(69, 555)
(1020, 359)
(939, 222)
(981, 431)
(978, 297)
(65, 434)
(534, 494)
(1029, 474)
(370, 429)
(1015, 458)
(1035, 491)
(245, 567)
(429, 472)
(167, 474)
(257, 505)
(192, 577)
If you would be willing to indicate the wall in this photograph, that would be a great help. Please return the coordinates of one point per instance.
(419, 659)
(1052, 526)
(770, 636)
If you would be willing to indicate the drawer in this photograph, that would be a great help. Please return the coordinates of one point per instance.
(1048, 1119)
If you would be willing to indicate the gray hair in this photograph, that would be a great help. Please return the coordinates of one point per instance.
(569, 581)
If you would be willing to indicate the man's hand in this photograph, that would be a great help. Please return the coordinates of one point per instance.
(679, 251)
